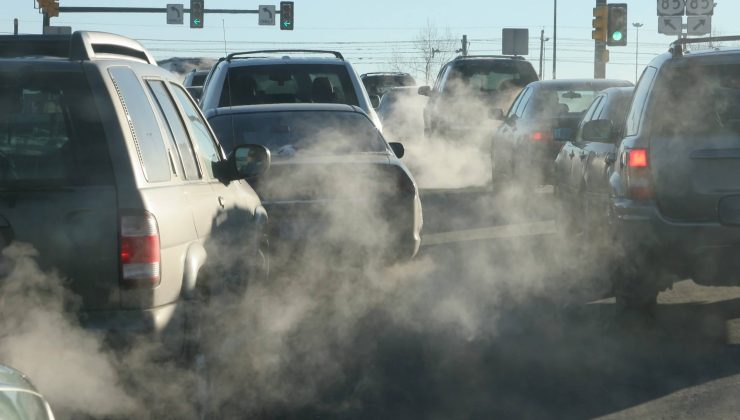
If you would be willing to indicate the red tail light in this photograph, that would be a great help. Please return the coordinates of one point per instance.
(541, 136)
(139, 250)
(639, 182)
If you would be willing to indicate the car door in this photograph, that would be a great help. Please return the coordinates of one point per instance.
(601, 155)
(233, 233)
(578, 150)
(507, 134)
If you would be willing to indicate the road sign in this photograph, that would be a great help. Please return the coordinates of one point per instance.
(699, 25)
(267, 15)
(670, 25)
(515, 41)
(699, 7)
(175, 14)
(671, 8)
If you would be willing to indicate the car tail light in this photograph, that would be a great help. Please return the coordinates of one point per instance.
(541, 136)
(139, 250)
(639, 183)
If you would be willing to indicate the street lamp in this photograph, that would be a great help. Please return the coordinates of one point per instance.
(637, 26)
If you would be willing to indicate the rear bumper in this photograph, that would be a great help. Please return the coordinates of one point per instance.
(122, 328)
(706, 252)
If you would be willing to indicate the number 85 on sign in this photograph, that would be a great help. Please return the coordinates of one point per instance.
(671, 7)
(699, 7)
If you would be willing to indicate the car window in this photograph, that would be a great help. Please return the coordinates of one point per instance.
(698, 99)
(561, 102)
(315, 132)
(206, 144)
(380, 84)
(519, 112)
(50, 131)
(440, 78)
(143, 124)
(489, 76)
(632, 123)
(288, 83)
(176, 128)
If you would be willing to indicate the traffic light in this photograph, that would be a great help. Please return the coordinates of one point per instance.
(196, 14)
(50, 7)
(599, 23)
(286, 15)
(617, 27)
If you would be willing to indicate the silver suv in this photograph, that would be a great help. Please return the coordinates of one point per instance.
(108, 168)
(274, 77)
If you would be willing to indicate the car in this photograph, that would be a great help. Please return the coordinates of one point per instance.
(545, 114)
(400, 111)
(275, 76)
(110, 171)
(334, 180)
(194, 82)
(379, 83)
(467, 89)
(674, 206)
(581, 182)
(19, 399)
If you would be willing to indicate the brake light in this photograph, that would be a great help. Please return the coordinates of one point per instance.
(639, 183)
(637, 158)
(139, 250)
(541, 136)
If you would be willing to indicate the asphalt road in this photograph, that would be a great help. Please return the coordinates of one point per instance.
(505, 324)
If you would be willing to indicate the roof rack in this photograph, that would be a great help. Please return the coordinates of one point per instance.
(515, 57)
(238, 54)
(81, 45)
(677, 47)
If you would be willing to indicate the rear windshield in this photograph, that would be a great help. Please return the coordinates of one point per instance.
(490, 76)
(551, 103)
(50, 131)
(198, 79)
(381, 84)
(288, 83)
(698, 100)
(286, 133)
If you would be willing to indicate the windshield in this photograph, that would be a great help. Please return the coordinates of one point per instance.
(491, 76)
(699, 100)
(381, 84)
(49, 130)
(568, 102)
(286, 133)
(288, 83)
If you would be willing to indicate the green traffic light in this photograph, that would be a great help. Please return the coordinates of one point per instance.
(617, 36)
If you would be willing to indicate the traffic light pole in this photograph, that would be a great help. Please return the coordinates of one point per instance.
(600, 52)
(74, 9)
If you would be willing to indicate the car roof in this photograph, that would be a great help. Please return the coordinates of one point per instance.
(384, 73)
(597, 84)
(250, 109)
(11, 378)
(619, 91)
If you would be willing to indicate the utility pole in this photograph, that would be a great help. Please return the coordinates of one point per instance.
(465, 45)
(637, 26)
(542, 52)
(15, 26)
(555, 41)
(600, 51)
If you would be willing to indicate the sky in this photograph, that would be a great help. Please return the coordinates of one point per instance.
(372, 33)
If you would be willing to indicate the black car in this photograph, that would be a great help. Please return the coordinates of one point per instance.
(545, 114)
(333, 178)
(467, 89)
(675, 183)
(581, 176)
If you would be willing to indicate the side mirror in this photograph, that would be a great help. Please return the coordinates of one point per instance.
(250, 161)
(562, 134)
(375, 101)
(398, 149)
(425, 91)
(598, 130)
(497, 114)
